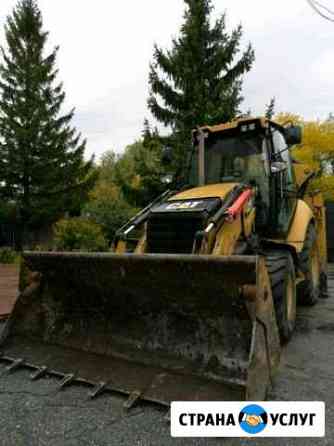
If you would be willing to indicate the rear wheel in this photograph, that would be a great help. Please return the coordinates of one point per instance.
(309, 263)
(281, 270)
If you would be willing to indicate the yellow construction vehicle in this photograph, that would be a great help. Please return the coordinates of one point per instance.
(201, 288)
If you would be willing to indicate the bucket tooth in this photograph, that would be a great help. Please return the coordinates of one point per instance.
(67, 380)
(15, 365)
(98, 389)
(39, 373)
(132, 400)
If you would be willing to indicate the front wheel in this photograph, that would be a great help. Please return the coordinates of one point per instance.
(282, 275)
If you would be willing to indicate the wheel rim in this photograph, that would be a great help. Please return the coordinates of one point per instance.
(291, 300)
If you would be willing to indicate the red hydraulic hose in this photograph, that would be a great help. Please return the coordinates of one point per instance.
(238, 205)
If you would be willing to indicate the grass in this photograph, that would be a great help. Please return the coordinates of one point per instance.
(9, 257)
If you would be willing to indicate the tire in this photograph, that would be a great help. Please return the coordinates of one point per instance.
(324, 285)
(282, 275)
(310, 288)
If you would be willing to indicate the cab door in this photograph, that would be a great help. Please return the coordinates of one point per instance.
(284, 183)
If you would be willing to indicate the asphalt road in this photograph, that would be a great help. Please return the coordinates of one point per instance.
(36, 414)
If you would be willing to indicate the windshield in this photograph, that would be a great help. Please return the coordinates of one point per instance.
(233, 158)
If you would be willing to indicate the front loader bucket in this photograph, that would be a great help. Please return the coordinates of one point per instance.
(157, 327)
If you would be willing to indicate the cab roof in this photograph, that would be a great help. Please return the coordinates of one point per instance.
(259, 122)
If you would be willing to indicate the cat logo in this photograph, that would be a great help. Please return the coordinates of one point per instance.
(183, 205)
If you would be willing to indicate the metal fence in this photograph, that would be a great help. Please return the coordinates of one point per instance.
(330, 230)
(7, 235)
(42, 237)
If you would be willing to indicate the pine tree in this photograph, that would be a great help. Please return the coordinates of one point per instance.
(147, 131)
(42, 169)
(270, 109)
(198, 81)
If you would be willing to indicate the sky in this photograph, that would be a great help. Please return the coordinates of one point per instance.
(106, 47)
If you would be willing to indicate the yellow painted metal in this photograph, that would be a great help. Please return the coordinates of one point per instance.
(315, 200)
(141, 246)
(303, 216)
(322, 234)
(232, 231)
(316, 203)
(120, 247)
(227, 238)
(209, 191)
(233, 124)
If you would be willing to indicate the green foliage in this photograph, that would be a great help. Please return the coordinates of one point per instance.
(126, 183)
(108, 208)
(79, 234)
(198, 81)
(7, 212)
(42, 168)
(138, 172)
(8, 256)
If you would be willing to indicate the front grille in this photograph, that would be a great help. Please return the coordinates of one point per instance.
(173, 233)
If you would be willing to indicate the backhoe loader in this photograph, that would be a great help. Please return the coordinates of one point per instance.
(201, 289)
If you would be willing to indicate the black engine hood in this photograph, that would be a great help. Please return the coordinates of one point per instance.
(197, 206)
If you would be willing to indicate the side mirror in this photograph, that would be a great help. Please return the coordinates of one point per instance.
(293, 135)
(167, 156)
(167, 179)
(278, 167)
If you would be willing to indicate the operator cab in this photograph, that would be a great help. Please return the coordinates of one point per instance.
(253, 152)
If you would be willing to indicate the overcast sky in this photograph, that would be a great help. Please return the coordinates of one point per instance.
(106, 47)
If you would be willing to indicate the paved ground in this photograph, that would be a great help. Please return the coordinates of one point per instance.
(35, 414)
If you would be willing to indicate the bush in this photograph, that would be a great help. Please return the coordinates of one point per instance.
(108, 208)
(8, 255)
(79, 234)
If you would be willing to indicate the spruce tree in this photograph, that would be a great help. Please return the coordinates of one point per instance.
(42, 167)
(270, 109)
(199, 80)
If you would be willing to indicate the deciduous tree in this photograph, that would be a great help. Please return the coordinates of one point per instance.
(317, 150)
